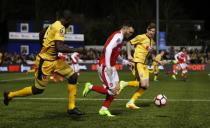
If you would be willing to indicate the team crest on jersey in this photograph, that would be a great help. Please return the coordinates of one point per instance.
(118, 40)
(62, 31)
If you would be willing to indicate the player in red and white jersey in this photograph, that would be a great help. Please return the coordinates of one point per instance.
(106, 68)
(75, 59)
(181, 60)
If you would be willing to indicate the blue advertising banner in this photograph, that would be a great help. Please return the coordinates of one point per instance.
(162, 40)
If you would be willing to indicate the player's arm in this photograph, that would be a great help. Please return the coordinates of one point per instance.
(177, 56)
(188, 59)
(59, 41)
(158, 60)
(41, 35)
(128, 49)
(123, 61)
(64, 48)
(113, 43)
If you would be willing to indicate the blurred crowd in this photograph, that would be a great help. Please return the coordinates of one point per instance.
(14, 58)
(197, 56)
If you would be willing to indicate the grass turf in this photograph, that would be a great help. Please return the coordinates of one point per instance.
(188, 104)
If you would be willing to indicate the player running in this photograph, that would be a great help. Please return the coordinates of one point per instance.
(47, 62)
(156, 62)
(181, 60)
(107, 71)
(143, 45)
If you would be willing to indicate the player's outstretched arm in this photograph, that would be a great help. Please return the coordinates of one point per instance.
(61, 47)
(128, 49)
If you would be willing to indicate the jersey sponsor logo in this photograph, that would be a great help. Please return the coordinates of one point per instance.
(62, 32)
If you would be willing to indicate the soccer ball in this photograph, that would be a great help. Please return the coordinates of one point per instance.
(160, 100)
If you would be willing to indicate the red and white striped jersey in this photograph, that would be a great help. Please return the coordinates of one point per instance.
(111, 49)
(181, 57)
(75, 58)
(63, 56)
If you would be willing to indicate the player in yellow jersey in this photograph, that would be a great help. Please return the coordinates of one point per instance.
(47, 62)
(156, 62)
(143, 44)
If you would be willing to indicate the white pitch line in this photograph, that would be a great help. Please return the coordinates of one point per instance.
(24, 78)
(95, 99)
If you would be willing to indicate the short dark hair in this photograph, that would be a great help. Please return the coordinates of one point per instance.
(151, 26)
(126, 24)
(65, 14)
(183, 48)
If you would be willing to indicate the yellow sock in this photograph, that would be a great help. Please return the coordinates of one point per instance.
(72, 90)
(133, 83)
(155, 77)
(137, 94)
(150, 71)
(22, 92)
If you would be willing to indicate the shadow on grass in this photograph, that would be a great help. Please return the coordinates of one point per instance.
(163, 116)
(63, 115)
(117, 111)
(144, 104)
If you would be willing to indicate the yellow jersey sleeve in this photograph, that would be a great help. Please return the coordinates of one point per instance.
(137, 40)
(54, 32)
(59, 32)
(158, 57)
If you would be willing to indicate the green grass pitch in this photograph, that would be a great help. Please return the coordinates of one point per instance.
(188, 104)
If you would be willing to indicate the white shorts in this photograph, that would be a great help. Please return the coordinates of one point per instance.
(183, 66)
(110, 81)
(75, 67)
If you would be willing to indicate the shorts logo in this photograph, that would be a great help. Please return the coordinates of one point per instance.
(111, 85)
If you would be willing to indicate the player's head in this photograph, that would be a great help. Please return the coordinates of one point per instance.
(127, 30)
(162, 52)
(183, 49)
(65, 17)
(151, 29)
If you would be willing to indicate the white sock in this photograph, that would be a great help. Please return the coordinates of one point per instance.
(90, 87)
(104, 108)
(124, 84)
(131, 101)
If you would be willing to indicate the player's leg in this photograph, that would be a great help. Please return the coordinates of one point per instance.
(104, 109)
(65, 70)
(60, 78)
(156, 71)
(143, 74)
(184, 71)
(41, 81)
(176, 68)
(113, 86)
(54, 77)
(134, 83)
(72, 91)
(124, 84)
(97, 88)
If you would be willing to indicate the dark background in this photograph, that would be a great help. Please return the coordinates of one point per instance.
(97, 19)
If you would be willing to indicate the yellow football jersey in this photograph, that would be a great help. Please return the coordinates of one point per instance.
(54, 32)
(157, 58)
(142, 45)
